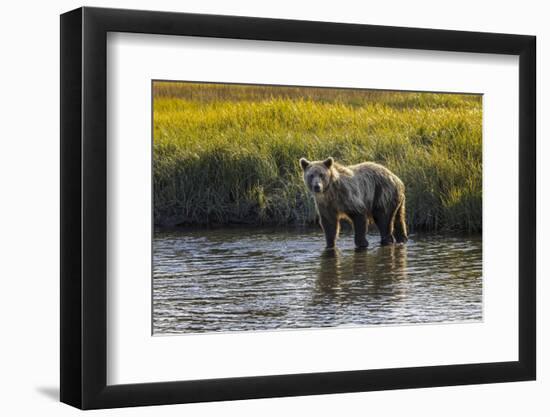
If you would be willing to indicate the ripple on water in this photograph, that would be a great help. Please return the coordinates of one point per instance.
(246, 279)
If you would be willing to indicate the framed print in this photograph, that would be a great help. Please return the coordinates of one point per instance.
(258, 207)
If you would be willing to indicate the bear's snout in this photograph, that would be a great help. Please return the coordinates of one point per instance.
(317, 188)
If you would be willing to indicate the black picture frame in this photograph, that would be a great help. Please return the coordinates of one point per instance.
(84, 207)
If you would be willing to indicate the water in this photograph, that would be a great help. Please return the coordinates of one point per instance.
(250, 279)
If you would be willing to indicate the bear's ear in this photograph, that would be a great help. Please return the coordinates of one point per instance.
(304, 163)
(329, 161)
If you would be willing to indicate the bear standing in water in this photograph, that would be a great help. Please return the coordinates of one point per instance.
(357, 193)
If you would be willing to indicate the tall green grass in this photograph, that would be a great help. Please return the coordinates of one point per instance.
(228, 154)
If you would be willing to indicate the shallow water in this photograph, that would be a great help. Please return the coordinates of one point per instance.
(251, 279)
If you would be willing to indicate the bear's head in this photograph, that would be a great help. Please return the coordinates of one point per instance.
(317, 174)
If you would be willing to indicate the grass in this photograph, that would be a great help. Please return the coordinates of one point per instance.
(228, 154)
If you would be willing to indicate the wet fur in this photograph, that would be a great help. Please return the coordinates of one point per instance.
(357, 193)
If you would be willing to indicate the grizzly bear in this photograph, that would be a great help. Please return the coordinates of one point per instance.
(357, 193)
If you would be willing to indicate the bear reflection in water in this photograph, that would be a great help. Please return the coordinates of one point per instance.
(381, 272)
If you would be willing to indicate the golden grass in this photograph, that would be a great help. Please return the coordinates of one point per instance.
(228, 154)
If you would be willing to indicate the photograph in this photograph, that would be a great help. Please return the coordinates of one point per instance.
(262, 206)
(300, 207)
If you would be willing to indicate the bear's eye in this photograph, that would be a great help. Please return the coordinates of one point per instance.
(321, 176)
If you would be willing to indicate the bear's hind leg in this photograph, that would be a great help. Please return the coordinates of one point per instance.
(384, 222)
(331, 227)
(360, 223)
(400, 224)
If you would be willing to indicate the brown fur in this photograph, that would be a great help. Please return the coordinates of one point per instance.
(357, 193)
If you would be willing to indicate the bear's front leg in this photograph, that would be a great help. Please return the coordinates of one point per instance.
(360, 223)
(331, 226)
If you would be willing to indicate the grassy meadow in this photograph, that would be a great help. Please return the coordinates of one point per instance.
(228, 154)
